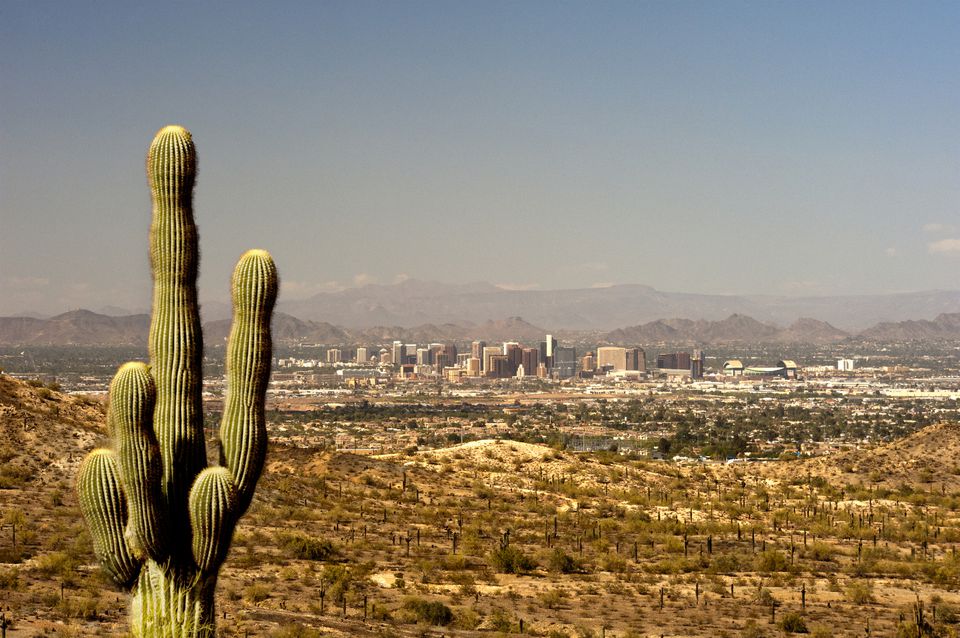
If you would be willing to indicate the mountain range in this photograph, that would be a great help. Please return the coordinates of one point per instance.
(83, 327)
(414, 302)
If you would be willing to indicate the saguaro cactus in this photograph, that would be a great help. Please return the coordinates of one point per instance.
(161, 520)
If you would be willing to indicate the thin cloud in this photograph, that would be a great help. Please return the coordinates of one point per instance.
(944, 246)
(512, 286)
(891, 252)
(595, 266)
(291, 289)
(362, 279)
(602, 284)
(937, 227)
(26, 283)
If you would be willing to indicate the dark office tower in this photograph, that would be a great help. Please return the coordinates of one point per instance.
(514, 352)
(564, 362)
(499, 366)
(674, 361)
(476, 351)
(445, 355)
(442, 361)
(543, 351)
(530, 358)
(636, 359)
(696, 364)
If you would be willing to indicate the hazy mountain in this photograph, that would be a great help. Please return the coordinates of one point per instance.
(735, 328)
(414, 303)
(944, 326)
(807, 330)
(80, 327)
(511, 329)
(284, 328)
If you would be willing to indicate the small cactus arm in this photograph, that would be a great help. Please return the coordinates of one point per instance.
(161, 520)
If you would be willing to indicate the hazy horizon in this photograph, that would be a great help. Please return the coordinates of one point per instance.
(741, 148)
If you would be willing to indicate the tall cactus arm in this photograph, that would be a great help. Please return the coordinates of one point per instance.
(213, 502)
(243, 431)
(105, 511)
(132, 397)
(176, 344)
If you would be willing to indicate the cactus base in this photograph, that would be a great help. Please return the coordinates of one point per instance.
(168, 605)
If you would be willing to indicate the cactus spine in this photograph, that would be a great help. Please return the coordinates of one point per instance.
(161, 520)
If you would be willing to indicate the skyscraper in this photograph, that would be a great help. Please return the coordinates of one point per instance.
(362, 355)
(636, 359)
(564, 362)
(476, 350)
(489, 351)
(612, 358)
(514, 352)
(530, 359)
(397, 353)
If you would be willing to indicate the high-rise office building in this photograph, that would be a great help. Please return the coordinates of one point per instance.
(636, 359)
(696, 364)
(410, 354)
(588, 363)
(362, 355)
(397, 353)
(334, 355)
(514, 352)
(499, 367)
(611, 358)
(473, 367)
(674, 360)
(423, 357)
(530, 359)
(476, 350)
(564, 362)
(489, 351)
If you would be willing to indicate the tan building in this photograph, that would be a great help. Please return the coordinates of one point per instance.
(611, 357)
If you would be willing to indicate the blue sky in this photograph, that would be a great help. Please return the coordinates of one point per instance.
(744, 147)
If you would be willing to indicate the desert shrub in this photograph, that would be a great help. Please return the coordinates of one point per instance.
(859, 592)
(820, 552)
(430, 612)
(501, 621)
(256, 592)
(793, 623)
(9, 580)
(295, 630)
(510, 560)
(84, 608)
(562, 562)
(55, 564)
(773, 561)
(552, 598)
(306, 547)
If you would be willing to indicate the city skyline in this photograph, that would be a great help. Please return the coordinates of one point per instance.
(743, 148)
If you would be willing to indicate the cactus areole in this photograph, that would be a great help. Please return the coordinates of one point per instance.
(161, 519)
